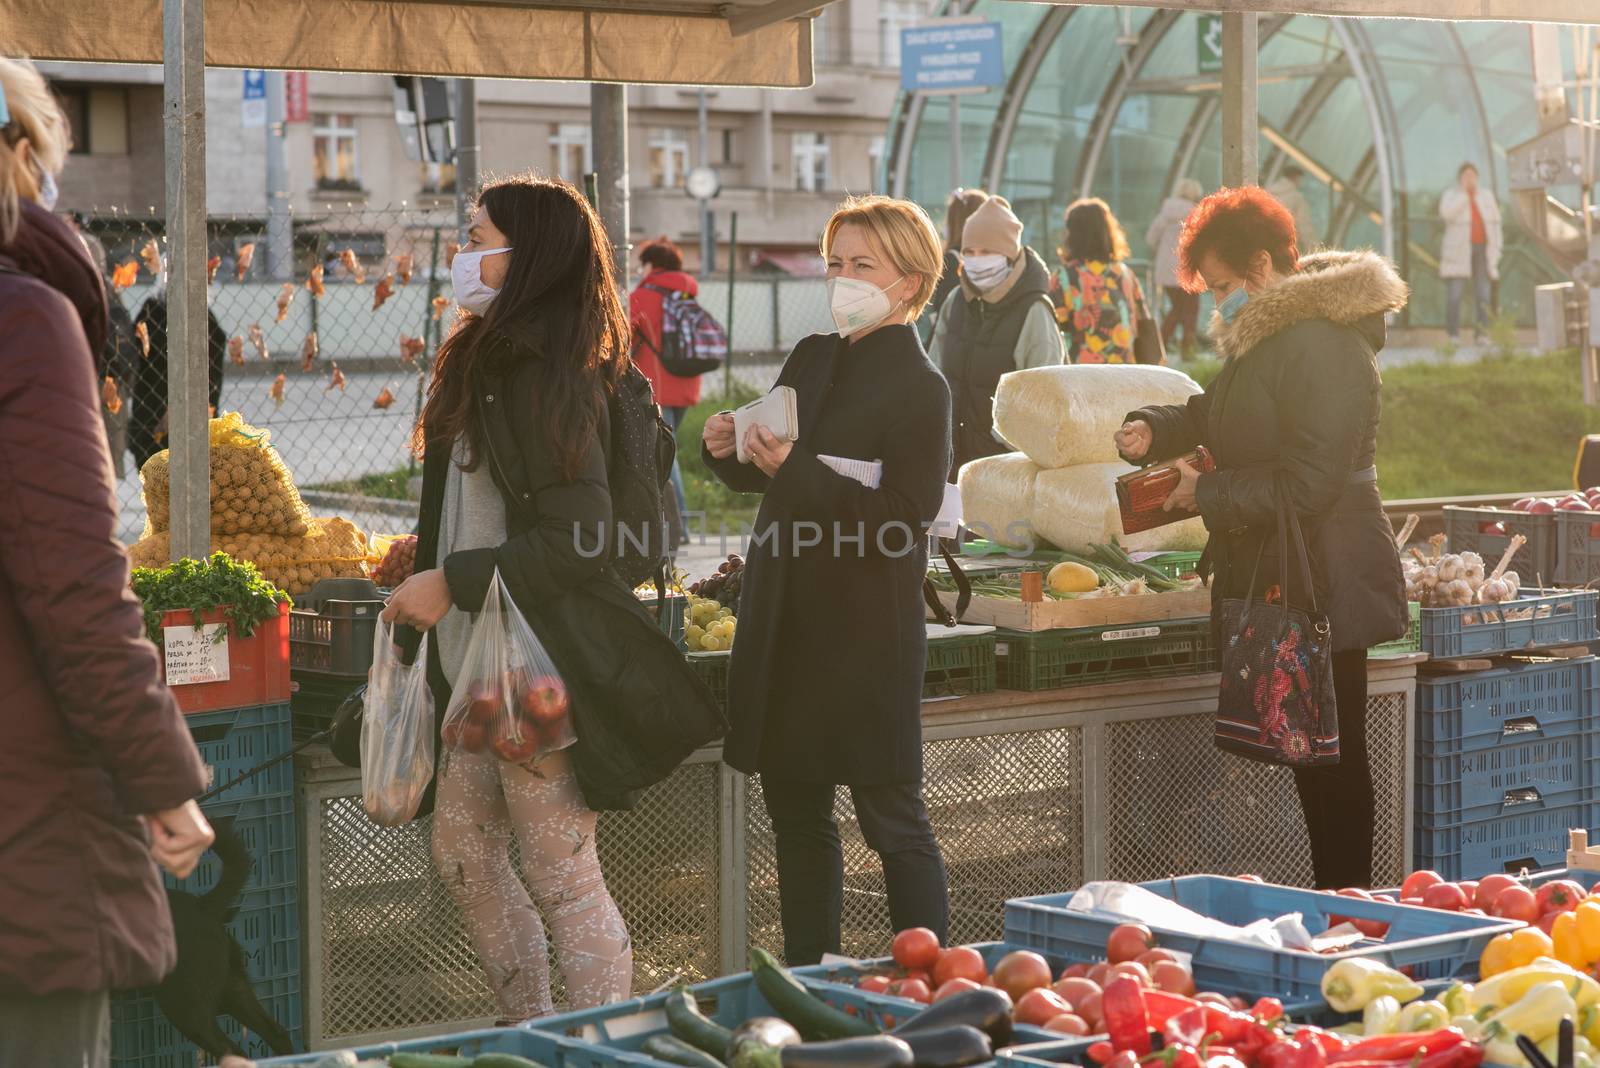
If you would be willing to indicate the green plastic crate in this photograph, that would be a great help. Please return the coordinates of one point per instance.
(713, 671)
(959, 666)
(1410, 642)
(1085, 656)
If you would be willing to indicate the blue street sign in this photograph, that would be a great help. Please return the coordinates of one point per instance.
(951, 57)
(254, 105)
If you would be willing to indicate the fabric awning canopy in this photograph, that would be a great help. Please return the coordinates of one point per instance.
(665, 42)
(1571, 11)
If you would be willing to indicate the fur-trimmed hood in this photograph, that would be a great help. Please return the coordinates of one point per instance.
(1349, 288)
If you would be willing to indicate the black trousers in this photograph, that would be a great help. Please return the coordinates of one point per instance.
(60, 1030)
(894, 821)
(1337, 798)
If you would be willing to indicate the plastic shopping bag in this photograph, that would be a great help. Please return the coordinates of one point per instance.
(509, 699)
(396, 732)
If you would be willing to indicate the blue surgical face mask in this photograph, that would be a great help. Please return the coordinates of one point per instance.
(1230, 304)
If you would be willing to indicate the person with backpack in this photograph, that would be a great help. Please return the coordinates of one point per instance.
(665, 287)
(544, 459)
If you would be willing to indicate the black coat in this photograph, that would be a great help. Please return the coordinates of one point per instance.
(826, 679)
(1298, 403)
(146, 422)
(638, 709)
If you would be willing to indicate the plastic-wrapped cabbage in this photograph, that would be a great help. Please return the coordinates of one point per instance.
(1065, 416)
(997, 498)
(1075, 509)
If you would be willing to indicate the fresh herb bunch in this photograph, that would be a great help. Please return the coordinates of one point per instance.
(198, 586)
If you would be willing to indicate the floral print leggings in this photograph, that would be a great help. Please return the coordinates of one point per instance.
(482, 800)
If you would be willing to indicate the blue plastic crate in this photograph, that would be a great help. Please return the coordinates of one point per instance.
(1457, 713)
(1047, 1054)
(266, 827)
(1539, 621)
(1464, 787)
(546, 1049)
(1528, 836)
(235, 740)
(1488, 531)
(1435, 944)
(141, 1037)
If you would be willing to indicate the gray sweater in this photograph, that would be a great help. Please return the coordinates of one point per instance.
(473, 517)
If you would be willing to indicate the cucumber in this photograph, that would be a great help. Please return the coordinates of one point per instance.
(814, 1019)
(676, 1051)
(690, 1025)
(503, 1060)
(427, 1060)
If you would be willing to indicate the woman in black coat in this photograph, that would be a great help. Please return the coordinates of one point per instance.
(1294, 410)
(520, 460)
(826, 680)
(147, 422)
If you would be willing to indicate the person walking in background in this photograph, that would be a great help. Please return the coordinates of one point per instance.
(1286, 190)
(999, 319)
(962, 203)
(98, 773)
(663, 276)
(846, 602)
(1098, 300)
(147, 423)
(118, 359)
(1470, 251)
(1183, 307)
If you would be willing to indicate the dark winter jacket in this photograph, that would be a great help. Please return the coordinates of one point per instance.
(1298, 400)
(949, 282)
(826, 680)
(120, 356)
(638, 708)
(979, 344)
(92, 739)
(147, 424)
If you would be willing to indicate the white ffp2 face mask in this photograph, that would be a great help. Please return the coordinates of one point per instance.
(857, 304)
(466, 279)
(986, 272)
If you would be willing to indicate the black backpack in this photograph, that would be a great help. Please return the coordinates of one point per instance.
(639, 467)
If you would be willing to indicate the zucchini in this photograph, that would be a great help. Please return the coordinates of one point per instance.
(950, 1047)
(814, 1019)
(987, 1010)
(676, 1051)
(503, 1060)
(427, 1060)
(756, 1043)
(689, 1025)
(878, 1051)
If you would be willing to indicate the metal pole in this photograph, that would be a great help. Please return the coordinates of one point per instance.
(708, 232)
(733, 269)
(280, 228)
(467, 148)
(1241, 122)
(608, 116)
(955, 141)
(188, 368)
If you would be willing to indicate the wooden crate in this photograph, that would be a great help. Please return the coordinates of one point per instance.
(1090, 612)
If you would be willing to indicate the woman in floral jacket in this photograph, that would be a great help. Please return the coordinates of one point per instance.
(1097, 297)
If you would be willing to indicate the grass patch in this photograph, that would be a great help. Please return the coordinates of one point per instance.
(703, 490)
(1505, 424)
(387, 485)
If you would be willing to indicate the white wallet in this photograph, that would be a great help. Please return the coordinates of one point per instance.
(775, 411)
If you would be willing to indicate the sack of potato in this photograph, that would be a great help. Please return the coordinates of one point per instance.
(251, 489)
(333, 548)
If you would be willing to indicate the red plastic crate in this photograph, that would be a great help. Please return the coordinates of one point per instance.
(258, 666)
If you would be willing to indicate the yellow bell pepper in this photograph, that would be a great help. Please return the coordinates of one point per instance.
(1566, 942)
(1588, 915)
(1515, 949)
(1537, 1014)
(1508, 987)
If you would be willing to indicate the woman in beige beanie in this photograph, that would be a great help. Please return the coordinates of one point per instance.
(999, 320)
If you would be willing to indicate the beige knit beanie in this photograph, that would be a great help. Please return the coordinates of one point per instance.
(994, 226)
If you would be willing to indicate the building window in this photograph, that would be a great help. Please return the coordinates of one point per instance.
(875, 161)
(894, 16)
(98, 118)
(822, 50)
(727, 145)
(334, 150)
(669, 157)
(571, 146)
(811, 162)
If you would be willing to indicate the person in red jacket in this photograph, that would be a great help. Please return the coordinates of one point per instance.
(98, 772)
(663, 274)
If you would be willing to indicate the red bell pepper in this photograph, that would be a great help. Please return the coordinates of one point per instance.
(1279, 1055)
(1160, 1006)
(1225, 1061)
(1230, 1026)
(1177, 1055)
(1122, 1004)
(1188, 1027)
(1307, 1054)
(1100, 1052)
(1267, 1010)
(1400, 1047)
(1329, 1042)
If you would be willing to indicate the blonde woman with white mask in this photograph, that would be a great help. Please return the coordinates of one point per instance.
(825, 688)
(998, 320)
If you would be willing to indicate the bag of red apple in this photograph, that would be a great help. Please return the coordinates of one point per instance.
(396, 732)
(509, 699)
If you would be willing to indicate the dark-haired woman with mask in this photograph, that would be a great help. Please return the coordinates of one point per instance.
(518, 460)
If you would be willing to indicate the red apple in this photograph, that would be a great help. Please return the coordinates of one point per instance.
(1574, 504)
(1542, 506)
(1525, 504)
(451, 734)
(1496, 529)
(473, 737)
(545, 698)
(1594, 530)
(512, 749)
(484, 704)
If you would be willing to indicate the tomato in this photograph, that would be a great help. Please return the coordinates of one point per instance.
(1172, 977)
(954, 987)
(1022, 971)
(1516, 903)
(874, 984)
(1092, 1009)
(1547, 922)
(1418, 881)
(916, 947)
(1128, 941)
(1076, 991)
(1250, 879)
(1152, 957)
(1470, 888)
(1067, 1024)
(1075, 971)
(1038, 1007)
(1212, 998)
(1563, 895)
(963, 962)
(1100, 974)
(1446, 896)
(911, 990)
(920, 973)
(1133, 970)
(1489, 888)
(1371, 928)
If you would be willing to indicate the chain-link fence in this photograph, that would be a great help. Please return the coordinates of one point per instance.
(326, 338)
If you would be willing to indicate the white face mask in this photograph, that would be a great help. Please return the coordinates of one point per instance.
(985, 272)
(857, 304)
(48, 190)
(466, 278)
